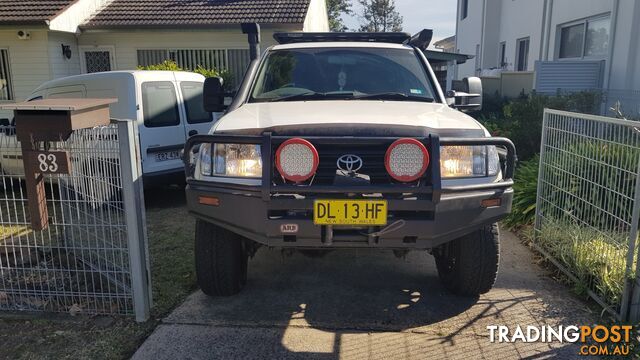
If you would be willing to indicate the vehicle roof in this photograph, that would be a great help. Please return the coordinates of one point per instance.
(121, 74)
(340, 44)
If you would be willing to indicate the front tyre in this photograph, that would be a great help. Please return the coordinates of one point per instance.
(221, 260)
(468, 265)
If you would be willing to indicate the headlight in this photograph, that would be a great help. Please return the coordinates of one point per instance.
(238, 160)
(468, 161)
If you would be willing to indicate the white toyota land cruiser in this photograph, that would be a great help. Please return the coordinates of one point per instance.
(345, 140)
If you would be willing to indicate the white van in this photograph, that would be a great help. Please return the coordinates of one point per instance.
(167, 106)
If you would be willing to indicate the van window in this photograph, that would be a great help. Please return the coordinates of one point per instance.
(160, 105)
(192, 94)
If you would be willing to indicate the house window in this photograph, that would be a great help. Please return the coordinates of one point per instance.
(96, 58)
(587, 38)
(6, 88)
(502, 56)
(97, 61)
(464, 9)
(522, 54)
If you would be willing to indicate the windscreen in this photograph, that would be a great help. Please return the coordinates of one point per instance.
(343, 73)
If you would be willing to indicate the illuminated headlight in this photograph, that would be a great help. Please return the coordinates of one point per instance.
(468, 161)
(237, 160)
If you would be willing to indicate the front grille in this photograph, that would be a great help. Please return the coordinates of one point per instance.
(372, 161)
(372, 156)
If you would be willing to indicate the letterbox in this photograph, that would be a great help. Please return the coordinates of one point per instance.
(40, 122)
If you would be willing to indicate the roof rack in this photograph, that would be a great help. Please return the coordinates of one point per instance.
(420, 40)
(302, 37)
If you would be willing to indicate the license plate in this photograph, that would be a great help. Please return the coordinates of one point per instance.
(350, 212)
(167, 155)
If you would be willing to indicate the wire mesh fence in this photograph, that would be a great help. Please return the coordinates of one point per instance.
(90, 257)
(588, 202)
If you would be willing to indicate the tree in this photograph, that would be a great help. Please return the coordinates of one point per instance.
(379, 16)
(335, 10)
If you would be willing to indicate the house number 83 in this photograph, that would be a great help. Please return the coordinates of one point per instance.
(48, 162)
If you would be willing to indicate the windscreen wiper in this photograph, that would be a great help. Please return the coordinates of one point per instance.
(312, 95)
(393, 96)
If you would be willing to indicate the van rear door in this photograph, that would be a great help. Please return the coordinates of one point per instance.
(198, 120)
(162, 133)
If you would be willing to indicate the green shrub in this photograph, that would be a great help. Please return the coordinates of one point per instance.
(590, 163)
(523, 209)
(167, 65)
(521, 118)
(170, 65)
(597, 259)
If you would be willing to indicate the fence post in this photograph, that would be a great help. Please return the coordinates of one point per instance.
(545, 118)
(631, 307)
(135, 219)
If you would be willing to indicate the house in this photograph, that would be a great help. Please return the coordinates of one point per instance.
(45, 39)
(447, 44)
(570, 44)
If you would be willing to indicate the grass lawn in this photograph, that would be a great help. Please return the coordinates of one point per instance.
(170, 231)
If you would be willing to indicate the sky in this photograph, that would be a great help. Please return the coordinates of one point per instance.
(439, 15)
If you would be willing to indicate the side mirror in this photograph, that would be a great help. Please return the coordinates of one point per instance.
(213, 95)
(5, 122)
(467, 94)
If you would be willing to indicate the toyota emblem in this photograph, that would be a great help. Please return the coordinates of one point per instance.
(349, 163)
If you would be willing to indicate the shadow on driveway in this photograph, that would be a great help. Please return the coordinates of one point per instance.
(365, 304)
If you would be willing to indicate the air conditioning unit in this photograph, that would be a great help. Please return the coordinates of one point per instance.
(24, 35)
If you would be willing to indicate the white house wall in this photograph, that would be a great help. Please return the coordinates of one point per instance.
(75, 15)
(127, 43)
(625, 71)
(471, 27)
(490, 32)
(28, 61)
(519, 19)
(317, 19)
(60, 65)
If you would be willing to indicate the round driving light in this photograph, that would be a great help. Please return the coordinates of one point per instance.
(406, 160)
(297, 160)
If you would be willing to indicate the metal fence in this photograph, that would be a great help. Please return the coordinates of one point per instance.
(588, 205)
(236, 61)
(92, 258)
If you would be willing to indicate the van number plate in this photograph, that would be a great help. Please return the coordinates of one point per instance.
(350, 212)
(167, 155)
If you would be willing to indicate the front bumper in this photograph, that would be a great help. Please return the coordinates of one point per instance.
(273, 216)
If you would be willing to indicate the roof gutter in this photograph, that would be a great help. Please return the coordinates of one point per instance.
(42, 23)
(180, 27)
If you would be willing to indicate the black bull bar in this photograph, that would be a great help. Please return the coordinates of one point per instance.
(432, 187)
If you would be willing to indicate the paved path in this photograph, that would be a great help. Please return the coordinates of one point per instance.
(366, 305)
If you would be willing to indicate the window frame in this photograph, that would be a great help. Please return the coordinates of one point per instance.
(464, 9)
(585, 26)
(84, 49)
(144, 105)
(10, 90)
(516, 66)
(502, 55)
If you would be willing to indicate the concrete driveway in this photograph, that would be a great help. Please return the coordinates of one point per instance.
(366, 305)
